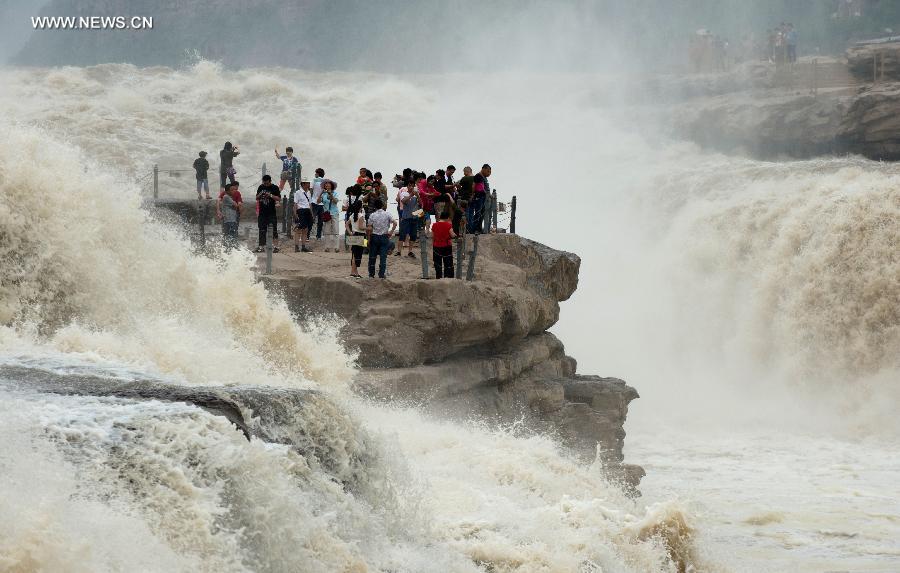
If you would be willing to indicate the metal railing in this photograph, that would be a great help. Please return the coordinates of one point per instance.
(493, 216)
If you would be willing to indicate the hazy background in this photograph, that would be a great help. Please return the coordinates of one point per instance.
(429, 35)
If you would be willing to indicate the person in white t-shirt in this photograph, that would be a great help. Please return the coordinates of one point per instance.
(316, 202)
(302, 217)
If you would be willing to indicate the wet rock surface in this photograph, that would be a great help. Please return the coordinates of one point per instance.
(304, 419)
(827, 108)
(470, 349)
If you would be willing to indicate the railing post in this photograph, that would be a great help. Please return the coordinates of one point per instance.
(263, 170)
(470, 273)
(202, 209)
(815, 76)
(423, 253)
(486, 214)
(494, 208)
(284, 215)
(156, 181)
(512, 216)
(460, 253)
(268, 257)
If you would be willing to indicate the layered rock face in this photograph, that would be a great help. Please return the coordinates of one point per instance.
(800, 125)
(875, 61)
(826, 107)
(462, 349)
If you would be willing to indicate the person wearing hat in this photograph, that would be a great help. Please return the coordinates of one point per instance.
(302, 217)
(201, 166)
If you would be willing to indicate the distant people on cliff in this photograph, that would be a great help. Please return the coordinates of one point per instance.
(268, 195)
(303, 217)
(782, 44)
(380, 229)
(708, 52)
(230, 215)
(226, 163)
(290, 168)
(355, 226)
(790, 39)
(331, 213)
(442, 246)
(201, 169)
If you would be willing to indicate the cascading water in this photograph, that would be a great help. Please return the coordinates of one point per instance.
(94, 294)
(753, 305)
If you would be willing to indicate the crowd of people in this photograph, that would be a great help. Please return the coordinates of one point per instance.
(435, 206)
(781, 47)
(710, 52)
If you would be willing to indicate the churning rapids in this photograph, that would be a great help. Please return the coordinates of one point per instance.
(754, 306)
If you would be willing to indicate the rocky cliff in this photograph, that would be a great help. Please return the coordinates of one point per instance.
(831, 107)
(470, 349)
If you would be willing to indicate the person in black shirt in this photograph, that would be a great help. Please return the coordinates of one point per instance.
(226, 163)
(268, 196)
(201, 166)
(450, 183)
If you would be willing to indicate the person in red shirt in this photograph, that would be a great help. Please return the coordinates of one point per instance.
(442, 233)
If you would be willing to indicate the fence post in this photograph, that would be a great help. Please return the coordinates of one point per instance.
(512, 216)
(470, 273)
(202, 209)
(460, 254)
(815, 76)
(486, 214)
(423, 253)
(156, 181)
(494, 209)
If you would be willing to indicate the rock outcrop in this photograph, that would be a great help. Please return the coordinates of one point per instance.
(462, 349)
(776, 123)
(765, 124)
(304, 419)
(877, 60)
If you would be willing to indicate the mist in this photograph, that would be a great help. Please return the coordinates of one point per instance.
(430, 36)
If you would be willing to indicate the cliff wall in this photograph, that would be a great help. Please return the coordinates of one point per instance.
(470, 349)
(815, 108)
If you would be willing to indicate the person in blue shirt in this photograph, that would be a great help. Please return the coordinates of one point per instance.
(290, 168)
(331, 204)
(791, 39)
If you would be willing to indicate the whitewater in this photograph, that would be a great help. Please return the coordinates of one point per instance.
(754, 305)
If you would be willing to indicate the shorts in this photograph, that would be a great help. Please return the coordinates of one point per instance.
(303, 219)
(409, 227)
(285, 175)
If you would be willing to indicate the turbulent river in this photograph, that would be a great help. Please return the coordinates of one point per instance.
(753, 305)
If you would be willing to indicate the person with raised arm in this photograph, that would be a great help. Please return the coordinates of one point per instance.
(290, 167)
(226, 163)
